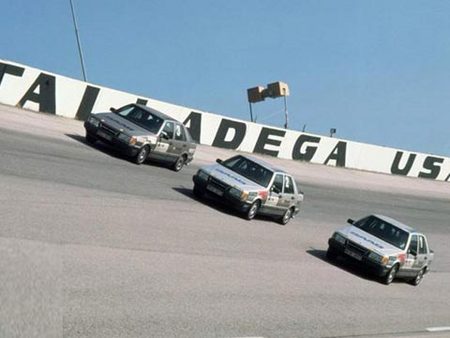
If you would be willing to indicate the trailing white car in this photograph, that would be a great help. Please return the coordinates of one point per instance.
(387, 247)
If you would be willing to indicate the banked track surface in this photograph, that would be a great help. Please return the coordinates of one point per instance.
(92, 245)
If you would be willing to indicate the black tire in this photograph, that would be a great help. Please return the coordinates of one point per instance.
(390, 276)
(142, 155)
(419, 277)
(331, 254)
(253, 210)
(198, 192)
(90, 139)
(179, 164)
(286, 216)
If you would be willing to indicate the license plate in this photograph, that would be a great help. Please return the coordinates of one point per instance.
(353, 254)
(214, 190)
(104, 135)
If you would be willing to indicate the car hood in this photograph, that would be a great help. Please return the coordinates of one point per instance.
(122, 124)
(232, 178)
(369, 241)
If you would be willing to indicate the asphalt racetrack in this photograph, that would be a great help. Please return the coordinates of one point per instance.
(92, 245)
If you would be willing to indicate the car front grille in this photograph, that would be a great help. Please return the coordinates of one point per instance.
(218, 184)
(356, 248)
(108, 129)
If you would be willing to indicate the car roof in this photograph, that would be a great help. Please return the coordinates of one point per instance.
(156, 112)
(264, 164)
(396, 223)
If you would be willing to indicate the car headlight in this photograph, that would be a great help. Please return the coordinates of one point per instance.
(124, 137)
(249, 196)
(94, 121)
(236, 193)
(202, 175)
(339, 238)
(373, 256)
(138, 140)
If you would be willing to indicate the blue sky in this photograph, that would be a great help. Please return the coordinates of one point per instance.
(377, 71)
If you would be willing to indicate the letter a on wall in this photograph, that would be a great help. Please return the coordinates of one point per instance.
(45, 97)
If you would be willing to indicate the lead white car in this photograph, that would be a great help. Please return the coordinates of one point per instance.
(388, 247)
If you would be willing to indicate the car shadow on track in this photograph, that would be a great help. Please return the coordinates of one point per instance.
(100, 146)
(110, 151)
(346, 265)
(218, 205)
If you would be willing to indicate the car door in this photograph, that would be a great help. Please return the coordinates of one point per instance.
(288, 197)
(180, 145)
(272, 206)
(163, 150)
(422, 255)
(407, 270)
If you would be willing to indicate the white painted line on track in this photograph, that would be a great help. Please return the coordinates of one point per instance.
(438, 329)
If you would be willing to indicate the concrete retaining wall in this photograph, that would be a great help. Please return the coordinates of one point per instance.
(43, 91)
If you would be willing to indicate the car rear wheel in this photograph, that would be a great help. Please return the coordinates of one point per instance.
(286, 216)
(390, 275)
(419, 277)
(142, 155)
(253, 210)
(179, 164)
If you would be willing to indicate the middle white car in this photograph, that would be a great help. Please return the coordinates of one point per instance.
(252, 186)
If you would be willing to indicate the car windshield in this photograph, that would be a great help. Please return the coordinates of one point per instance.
(249, 169)
(383, 230)
(141, 117)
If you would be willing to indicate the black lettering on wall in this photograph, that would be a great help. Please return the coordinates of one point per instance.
(430, 164)
(46, 96)
(11, 70)
(395, 168)
(338, 154)
(297, 153)
(264, 139)
(87, 103)
(225, 126)
(142, 101)
(194, 124)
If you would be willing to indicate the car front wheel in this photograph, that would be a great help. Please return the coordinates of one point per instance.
(253, 210)
(142, 155)
(331, 254)
(90, 139)
(198, 192)
(390, 275)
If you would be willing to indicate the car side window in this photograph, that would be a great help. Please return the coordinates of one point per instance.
(278, 183)
(422, 245)
(413, 245)
(288, 185)
(168, 128)
(180, 135)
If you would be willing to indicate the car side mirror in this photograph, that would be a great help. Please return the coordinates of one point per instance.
(219, 161)
(275, 190)
(164, 135)
(112, 109)
(350, 221)
(412, 252)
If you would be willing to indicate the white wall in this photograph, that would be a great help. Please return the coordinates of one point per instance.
(43, 91)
